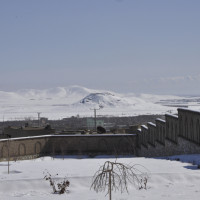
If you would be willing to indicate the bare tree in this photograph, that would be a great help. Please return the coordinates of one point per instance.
(116, 176)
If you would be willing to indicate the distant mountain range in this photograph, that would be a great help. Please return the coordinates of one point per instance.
(60, 102)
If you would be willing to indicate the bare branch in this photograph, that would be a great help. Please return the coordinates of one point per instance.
(116, 176)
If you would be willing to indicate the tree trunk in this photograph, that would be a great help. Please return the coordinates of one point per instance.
(110, 186)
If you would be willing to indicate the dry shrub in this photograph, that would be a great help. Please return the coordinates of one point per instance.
(58, 188)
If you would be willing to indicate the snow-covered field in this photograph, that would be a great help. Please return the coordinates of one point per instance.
(61, 102)
(169, 179)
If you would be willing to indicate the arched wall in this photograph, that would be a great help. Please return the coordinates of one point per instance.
(103, 145)
(4, 151)
(38, 147)
(21, 149)
(67, 144)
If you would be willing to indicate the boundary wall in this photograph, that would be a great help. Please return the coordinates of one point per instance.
(177, 134)
(51, 145)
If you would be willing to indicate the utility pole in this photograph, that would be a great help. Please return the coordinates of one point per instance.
(8, 148)
(39, 118)
(3, 126)
(95, 118)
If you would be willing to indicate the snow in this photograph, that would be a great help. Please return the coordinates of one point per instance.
(68, 135)
(144, 126)
(173, 116)
(169, 179)
(190, 110)
(151, 124)
(62, 102)
(161, 120)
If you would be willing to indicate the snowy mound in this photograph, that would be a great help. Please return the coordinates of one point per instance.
(104, 100)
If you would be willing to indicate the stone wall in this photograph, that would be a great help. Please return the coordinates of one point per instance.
(68, 145)
(177, 134)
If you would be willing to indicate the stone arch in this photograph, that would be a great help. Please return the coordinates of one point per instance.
(186, 128)
(125, 147)
(159, 133)
(56, 148)
(172, 131)
(64, 147)
(154, 136)
(148, 133)
(4, 151)
(38, 148)
(146, 137)
(163, 135)
(167, 129)
(151, 135)
(21, 149)
(176, 132)
(191, 134)
(103, 145)
(197, 132)
(139, 141)
(142, 137)
(83, 145)
(53, 149)
(181, 125)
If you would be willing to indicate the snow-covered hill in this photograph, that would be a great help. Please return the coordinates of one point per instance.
(106, 100)
(60, 102)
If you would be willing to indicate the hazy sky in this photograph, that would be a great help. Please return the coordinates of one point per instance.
(142, 46)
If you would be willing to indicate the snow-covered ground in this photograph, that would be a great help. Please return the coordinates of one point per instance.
(169, 179)
(61, 102)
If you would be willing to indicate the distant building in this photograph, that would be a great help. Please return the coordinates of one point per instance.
(91, 123)
(27, 131)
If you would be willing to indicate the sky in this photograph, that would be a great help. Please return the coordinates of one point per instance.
(137, 46)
